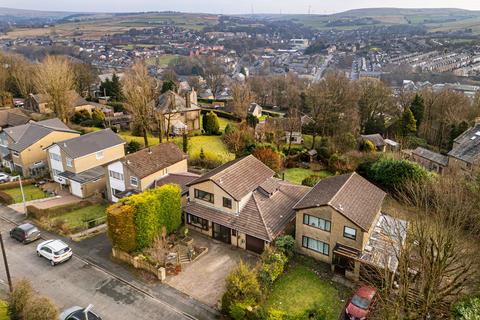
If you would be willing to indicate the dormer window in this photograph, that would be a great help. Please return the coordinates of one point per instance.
(227, 203)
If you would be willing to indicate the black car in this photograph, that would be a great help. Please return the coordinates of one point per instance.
(25, 233)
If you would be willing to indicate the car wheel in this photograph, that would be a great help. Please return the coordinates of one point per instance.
(52, 263)
(38, 254)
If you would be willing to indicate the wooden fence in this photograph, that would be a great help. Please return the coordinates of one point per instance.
(138, 263)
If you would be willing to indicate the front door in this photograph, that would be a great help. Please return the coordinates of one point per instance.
(222, 233)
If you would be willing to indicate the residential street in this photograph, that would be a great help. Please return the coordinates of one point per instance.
(81, 281)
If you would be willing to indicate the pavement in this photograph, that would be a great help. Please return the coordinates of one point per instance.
(92, 277)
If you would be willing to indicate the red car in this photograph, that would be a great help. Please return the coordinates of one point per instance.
(361, 304)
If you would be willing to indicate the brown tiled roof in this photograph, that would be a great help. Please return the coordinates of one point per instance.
(181, 179)
(150, 160)
(263, 216)
(13, 117)
(239, 177)
(350, 194)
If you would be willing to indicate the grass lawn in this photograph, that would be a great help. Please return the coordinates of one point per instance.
(300, 289)
(3, 311)
(31, 193)
(296, 175)
(223, 123)
(77, 218)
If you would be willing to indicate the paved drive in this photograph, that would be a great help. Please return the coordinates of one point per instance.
(78, 282)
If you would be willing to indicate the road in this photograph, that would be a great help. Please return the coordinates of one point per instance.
(78, 282)
(319, 74)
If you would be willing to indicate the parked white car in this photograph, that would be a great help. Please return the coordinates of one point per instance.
(55, 251)
(79, 313)
(4, 177)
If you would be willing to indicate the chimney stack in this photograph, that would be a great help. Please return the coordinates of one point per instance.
(188, 101)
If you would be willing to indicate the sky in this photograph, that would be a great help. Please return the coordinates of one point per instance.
(231, 6)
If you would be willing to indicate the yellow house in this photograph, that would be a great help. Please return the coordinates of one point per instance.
(141, 170)
(241, 203)
(340, 223)
(23, 147)
(79, 162)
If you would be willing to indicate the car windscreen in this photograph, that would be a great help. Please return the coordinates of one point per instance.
(62, 251)
(360, 302)
(29, 232)
(80, 315)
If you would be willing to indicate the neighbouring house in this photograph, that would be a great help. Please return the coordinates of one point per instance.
(376, 139)
(340, 222)
(255, 110)
(39, 103)
(430, 160)
(290, 129)
(179, 114)
(22, 147)
(139, 171)
(13, 117)
(79, 162)
(241, 203)
(182, 179)
(465, 153)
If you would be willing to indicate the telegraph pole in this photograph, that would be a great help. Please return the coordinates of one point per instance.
(7, 270)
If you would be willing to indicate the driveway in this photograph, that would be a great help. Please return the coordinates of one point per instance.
(204, 279)
(92, 277)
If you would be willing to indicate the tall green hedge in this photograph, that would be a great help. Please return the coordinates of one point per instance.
(121, 227)
(154, 209)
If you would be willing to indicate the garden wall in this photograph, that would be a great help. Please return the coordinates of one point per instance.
(137, 263)
(38, 213)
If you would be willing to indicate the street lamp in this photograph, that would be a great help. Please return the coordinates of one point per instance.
(23, 194)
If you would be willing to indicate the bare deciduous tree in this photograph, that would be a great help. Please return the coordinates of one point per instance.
(242, 96)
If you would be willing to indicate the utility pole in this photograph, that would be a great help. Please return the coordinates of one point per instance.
(23, 194)
(7, 270)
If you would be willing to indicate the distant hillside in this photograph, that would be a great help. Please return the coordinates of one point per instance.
(21, 13)
(370, 12)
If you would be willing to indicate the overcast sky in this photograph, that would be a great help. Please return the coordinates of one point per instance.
(232, 6)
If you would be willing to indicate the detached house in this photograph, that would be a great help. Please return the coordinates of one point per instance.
(39, 103)
(340, 222)
(79, 162)
(22, 147)
(141, 170)
(179, 114)
(241, 203)
(465, 153)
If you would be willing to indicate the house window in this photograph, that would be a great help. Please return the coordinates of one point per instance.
(15, 154)
(227, 203)
(116, 175)
(55, 157)
(234, 233)
(350, 233)
(197, 221)
(99, 155)
(115, 192)
(316, 245)
(203, 195)
(134, 181)
(319, 223)
(69, 162)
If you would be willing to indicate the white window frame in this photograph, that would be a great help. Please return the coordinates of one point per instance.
(99, 155)
(55, 156)
(134, 184)
(69, 162)
(115, 175)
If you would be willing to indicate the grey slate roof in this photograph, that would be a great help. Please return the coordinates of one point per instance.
(349, 194)
(181, 179)
(90, 143)
(432, 156)
(239, 177)
(263, 216)
(85, 176)
(375, 138)
(467, 145)
(27, 134)
(165, 101)
(13, 117)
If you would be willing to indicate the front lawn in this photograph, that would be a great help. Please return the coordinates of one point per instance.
(78, 219)
(4, 310)
(31, 193)
(300, 289)
(296, 175)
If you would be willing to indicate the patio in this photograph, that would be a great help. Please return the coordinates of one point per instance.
(204, 279)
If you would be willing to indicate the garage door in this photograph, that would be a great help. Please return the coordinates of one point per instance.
(76, 189)
(255, 244)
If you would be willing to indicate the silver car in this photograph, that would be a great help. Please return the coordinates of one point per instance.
(79, 313)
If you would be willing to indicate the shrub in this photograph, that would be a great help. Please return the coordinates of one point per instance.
(211, 125)
(81, 116)
(310, 181)
(316, 312)
(18, 299)
(117, 106)
(133, 146)
(468, 309)
(242, 310)
(40, 308)
(98, 115)
(274, 314)
(367, 146)
(286, 245)
(269, 157)
(273, 264)
(241, 286)
(252, 121)
(121, 227)
(393, 174)
(229, 128)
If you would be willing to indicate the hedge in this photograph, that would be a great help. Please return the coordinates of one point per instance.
(121, 227)
(153, 210)
(221, 114)
(15, 184)
(39, 213)
(6, 199)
